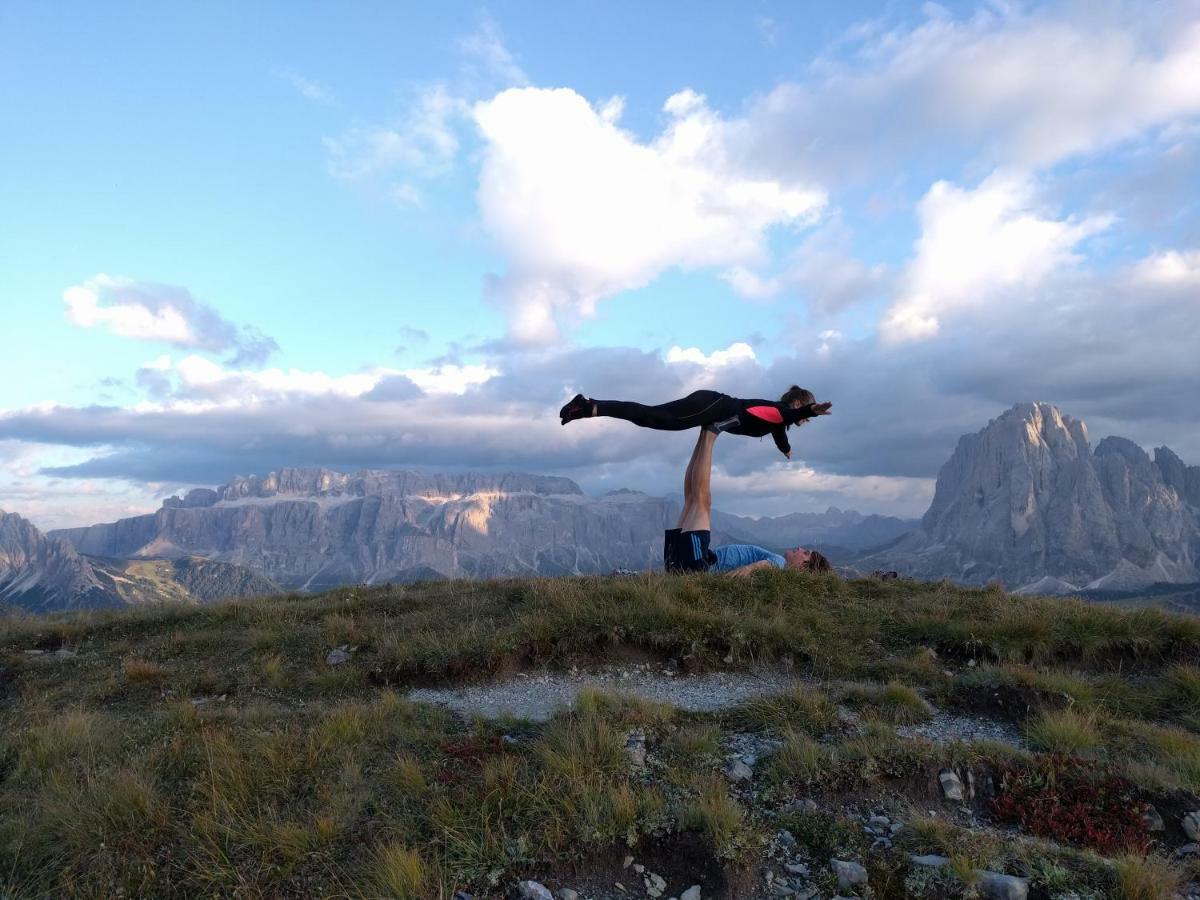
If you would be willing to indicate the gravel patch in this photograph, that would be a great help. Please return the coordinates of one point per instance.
(537, 696)
(945, 728)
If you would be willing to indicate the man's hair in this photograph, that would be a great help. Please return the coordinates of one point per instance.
(794, 393)
(816, 562)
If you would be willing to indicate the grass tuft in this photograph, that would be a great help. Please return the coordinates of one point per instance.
(1063, 731)
(1147, 878)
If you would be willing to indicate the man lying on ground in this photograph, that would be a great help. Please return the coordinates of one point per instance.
(686, 547)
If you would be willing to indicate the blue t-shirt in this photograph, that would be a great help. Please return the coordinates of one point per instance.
(734, 556)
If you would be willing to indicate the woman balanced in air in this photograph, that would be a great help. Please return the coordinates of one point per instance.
(712, 410)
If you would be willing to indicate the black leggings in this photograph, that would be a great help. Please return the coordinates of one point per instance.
(696, 409)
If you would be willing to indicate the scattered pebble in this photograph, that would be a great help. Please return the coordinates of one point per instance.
(849, 874)
(952, 788)
(534, 890)
(338, 655)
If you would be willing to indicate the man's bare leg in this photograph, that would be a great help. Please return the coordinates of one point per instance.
(697, 491)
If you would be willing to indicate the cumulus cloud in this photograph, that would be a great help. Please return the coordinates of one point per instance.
(975, 245)
(1007, 86)
(583, 209)
(163, 313)
(1170, 269)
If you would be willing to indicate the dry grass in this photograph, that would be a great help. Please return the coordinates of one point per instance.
(1064, 731)
(1147, 878)
(143, 671)
(271, 790)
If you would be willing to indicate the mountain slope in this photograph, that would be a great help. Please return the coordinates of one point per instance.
(38, 573)
(1026, 499)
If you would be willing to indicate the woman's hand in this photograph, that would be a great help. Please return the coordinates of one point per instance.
(822, 409)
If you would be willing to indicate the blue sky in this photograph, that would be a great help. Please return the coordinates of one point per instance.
(236, 238)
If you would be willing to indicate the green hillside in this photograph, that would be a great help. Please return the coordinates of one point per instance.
(215, 751)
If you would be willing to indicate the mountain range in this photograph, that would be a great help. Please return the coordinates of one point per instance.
(1025, 501)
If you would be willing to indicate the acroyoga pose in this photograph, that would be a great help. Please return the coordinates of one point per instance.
(712, 410)
(686, 547)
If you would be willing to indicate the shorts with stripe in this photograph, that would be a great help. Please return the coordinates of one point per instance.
(687, 551)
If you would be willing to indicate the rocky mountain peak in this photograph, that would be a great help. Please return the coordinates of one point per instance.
(1026, 498)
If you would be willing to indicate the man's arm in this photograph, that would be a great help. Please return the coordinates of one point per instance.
(743, 571)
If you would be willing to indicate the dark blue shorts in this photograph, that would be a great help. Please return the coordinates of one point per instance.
(687, 551)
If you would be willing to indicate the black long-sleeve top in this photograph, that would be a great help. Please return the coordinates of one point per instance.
(758, 418)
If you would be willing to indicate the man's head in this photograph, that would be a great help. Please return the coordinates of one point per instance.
(796, 397)
(806, 560)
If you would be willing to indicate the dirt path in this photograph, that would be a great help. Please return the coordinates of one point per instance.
(537, 696)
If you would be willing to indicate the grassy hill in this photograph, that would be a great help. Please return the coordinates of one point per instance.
(182, 751)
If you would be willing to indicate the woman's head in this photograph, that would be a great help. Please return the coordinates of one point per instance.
(796, 396)
(806, 560)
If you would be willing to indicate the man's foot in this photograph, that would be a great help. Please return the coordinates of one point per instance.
(578, 407)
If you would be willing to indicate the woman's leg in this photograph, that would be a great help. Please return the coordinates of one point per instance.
(697, 408)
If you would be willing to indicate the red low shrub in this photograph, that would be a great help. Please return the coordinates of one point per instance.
(1072, 801)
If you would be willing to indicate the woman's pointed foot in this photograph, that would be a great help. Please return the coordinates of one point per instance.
(578, 407)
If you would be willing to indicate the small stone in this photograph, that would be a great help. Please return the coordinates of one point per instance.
(635, 747)
(656, 885)
(896, 827)
(692, 893)
(806, 805)
(1154, 820)
(1191, 826)
(1188, 849)
(882, 821)
(639, 868)
(534, 890)
(797, 868)
(971, 663)
(786, 838)
(737, 772)
(341, 655)
(952, 787)
(567, 894)
(1003, 887)
(463, 895)
(849, 874)
(783, 889)
(930, 860)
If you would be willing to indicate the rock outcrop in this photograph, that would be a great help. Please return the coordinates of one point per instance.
(1027, 501)
(39, 574)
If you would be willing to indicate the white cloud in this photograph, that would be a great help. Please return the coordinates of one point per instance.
(306, 87)
(1169, 269)
(734, 354)
(768, 29)
(822, 269)
(750, 284)
(1007, 86)
(584, 210)
(976, 244)
(488, 59)
(424, 141)
(198, 384)
(160, 312)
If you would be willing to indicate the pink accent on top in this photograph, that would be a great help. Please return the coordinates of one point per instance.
(766, 413)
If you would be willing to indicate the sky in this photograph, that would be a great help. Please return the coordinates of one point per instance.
(236, 237)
